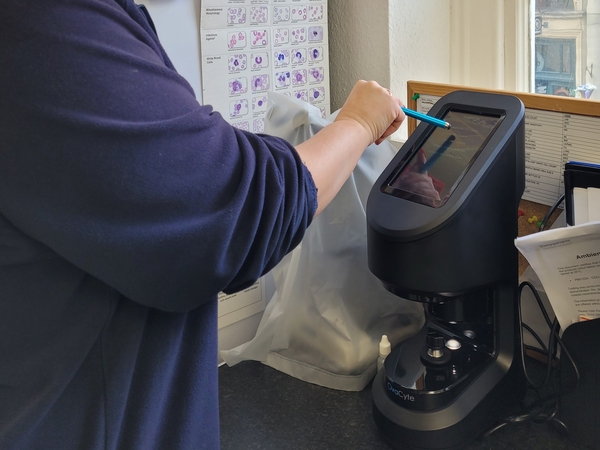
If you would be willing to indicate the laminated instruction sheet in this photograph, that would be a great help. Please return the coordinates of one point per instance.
(250, 47)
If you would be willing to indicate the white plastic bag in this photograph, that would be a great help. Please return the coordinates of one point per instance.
(325, 321)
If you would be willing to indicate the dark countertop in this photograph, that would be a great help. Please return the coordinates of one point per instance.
(262, 408)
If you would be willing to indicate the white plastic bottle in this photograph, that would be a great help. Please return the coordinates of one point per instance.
(384, 349)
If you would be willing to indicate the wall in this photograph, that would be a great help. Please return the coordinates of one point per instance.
(359, 46)
(490, 44)
(389, 41)
(420, 45)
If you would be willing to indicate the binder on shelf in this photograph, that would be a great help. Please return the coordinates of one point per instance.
(582, 192)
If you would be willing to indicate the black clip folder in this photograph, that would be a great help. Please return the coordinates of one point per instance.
(578, 175)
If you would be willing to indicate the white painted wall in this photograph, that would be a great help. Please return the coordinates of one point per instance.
(389, 41)
(419, 45)
(359, 45)
(490, 44)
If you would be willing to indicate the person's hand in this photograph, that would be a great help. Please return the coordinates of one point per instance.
(414, 180)
(373, 107)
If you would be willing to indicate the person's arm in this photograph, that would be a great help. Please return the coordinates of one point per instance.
(370, 114)
(108, 160)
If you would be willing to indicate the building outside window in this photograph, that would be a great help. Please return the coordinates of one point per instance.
(555, 61)
(567, 42)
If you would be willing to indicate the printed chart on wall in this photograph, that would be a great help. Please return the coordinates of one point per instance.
(250, 47)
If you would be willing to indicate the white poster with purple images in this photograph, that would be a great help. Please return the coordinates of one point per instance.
(250, 47)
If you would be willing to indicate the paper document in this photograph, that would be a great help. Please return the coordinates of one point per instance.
(567, 262)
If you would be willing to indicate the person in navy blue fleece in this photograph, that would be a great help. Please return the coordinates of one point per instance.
(125, 207)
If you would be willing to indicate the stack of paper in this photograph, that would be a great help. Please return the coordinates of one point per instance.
(567, 262)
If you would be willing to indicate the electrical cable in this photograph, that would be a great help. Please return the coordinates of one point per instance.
(544, 409)
(552, 326)
(536, 337)
(549, 213)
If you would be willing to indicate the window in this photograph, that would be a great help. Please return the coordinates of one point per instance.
(567, 41)
(555, 61)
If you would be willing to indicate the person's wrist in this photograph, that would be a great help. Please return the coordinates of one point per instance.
(362, 130)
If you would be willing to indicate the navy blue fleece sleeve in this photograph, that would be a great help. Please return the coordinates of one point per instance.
(107, 158)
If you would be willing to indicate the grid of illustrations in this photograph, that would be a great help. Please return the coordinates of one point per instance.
(251, 47)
